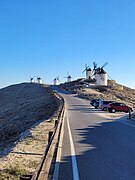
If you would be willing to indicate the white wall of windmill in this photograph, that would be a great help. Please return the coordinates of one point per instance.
(32, 80)
(55, 82)
(69, 79)
(88, 74)
(101, 79)
(39, 81)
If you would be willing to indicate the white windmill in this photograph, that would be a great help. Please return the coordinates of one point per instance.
(69, 78)
(39, 80)
(88, 72)
(56, 81)
(31, 79)
(100, 74)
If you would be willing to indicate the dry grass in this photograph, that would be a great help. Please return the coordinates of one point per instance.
(25, 112)
(125, 95)
(27, 153)
(91, 91)
(113, 91)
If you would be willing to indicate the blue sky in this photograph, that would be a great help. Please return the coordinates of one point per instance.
(48, 38)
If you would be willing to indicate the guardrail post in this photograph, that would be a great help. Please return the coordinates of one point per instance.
(50, 135)
(56, 122)
(129, 117)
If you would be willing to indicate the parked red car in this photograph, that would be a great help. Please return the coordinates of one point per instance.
(103, 104)
(113, 107)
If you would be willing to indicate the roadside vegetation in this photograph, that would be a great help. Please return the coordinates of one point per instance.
(27, 114)
(114, 91)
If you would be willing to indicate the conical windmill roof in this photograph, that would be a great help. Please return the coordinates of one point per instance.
(102, 71)
(89, 69)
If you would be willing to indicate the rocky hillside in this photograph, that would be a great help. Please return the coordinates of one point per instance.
(23, 105)
(113, 91)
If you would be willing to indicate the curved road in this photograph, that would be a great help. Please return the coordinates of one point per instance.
(95, 147)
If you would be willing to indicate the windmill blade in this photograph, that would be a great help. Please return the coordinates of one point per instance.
(104, 65)
(67, 74)
(51, 82)
(84, 70)
(86, 67)
(58, 78)
(98, 69)
(109, 77)
(95, 70)
(95, 65)
(31, 78)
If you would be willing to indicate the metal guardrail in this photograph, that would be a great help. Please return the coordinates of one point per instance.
(43, 169)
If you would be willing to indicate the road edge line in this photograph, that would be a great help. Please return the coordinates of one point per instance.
(130, 125)
(73, 155)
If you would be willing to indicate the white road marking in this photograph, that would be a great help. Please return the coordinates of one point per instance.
(127, 124)
(73, 155)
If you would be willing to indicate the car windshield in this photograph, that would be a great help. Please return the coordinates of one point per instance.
(107, 102)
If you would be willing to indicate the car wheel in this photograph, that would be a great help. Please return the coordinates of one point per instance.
(113, 110)
(104, 109)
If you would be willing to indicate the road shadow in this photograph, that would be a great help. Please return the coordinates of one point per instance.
(90, 109)
(85, 109)
(104, 151)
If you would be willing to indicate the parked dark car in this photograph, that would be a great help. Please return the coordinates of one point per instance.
(103, 104)
(96, 104)
(93, 101)
(113, 107)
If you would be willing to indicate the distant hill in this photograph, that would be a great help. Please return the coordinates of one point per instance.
(113, 91)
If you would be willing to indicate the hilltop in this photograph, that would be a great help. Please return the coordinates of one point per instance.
(114, 91)
(26, 111)
(22, 105)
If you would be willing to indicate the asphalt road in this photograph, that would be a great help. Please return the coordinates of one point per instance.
(95, 147)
